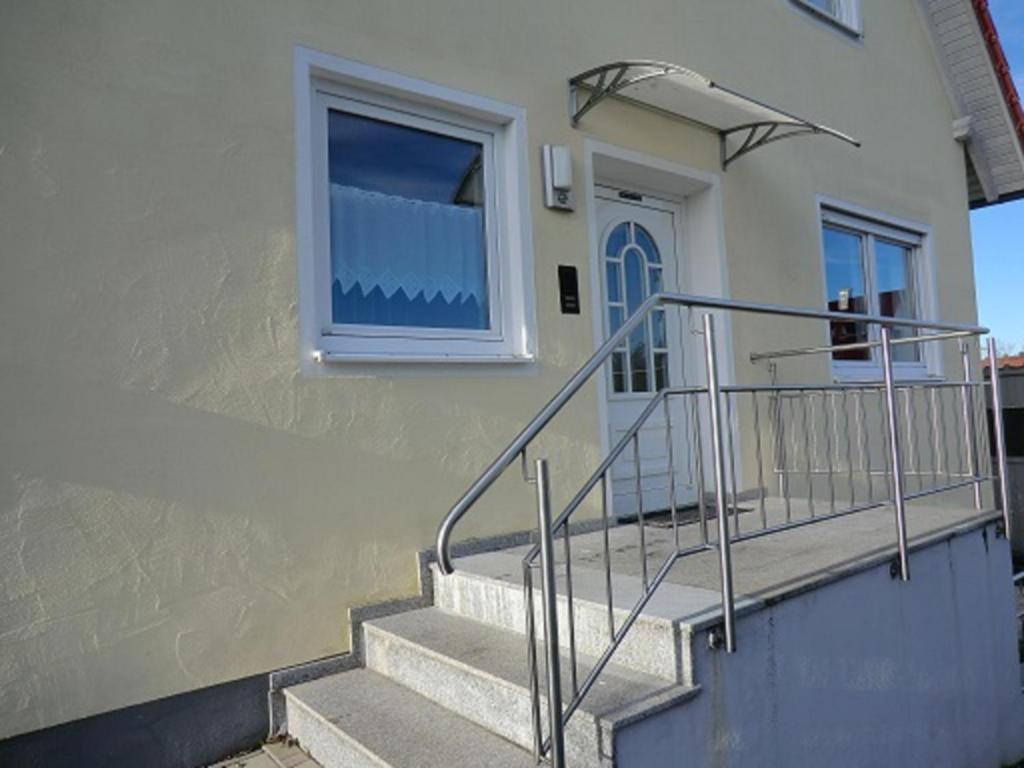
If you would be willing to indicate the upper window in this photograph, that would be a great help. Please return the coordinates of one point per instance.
(845, 13)
(415, 221)
(872, 269)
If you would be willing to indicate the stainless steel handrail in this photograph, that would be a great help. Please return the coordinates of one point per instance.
(803, 351)
(583, 374)
(720, 420)
(999, 429)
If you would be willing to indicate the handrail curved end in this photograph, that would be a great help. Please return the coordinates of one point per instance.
(444, 558)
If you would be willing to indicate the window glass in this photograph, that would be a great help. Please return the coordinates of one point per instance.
(619, 372)
(407, 229)
(617, 241)
(845, 284)
(895, 286)
(614, 282)
(831, 7)
(646, 243)
(635, 295)
(660, 370)
(845, 12)
(633, 271)
(616, 297)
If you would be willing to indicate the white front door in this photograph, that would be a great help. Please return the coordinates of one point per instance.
(637, 250)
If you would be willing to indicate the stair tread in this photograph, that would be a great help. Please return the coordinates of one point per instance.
(401, 727)
(679, 604)
(619, 694)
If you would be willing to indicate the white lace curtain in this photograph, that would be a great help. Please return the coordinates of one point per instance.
(414, 246)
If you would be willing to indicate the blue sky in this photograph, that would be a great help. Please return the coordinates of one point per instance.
(997, 231)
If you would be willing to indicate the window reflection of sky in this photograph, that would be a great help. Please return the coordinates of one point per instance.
(411, 168)
(843, 264)
(396, 160)
(890, 266)
(828, 6)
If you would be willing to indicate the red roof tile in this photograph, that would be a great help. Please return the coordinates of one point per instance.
(1008, 361)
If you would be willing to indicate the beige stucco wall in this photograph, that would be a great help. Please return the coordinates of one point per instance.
(178, 505)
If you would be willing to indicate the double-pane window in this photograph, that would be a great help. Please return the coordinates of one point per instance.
(870, 269)
(413, 228)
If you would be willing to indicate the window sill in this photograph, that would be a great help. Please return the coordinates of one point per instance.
(829, 19)
(872, 374)
(325, 357)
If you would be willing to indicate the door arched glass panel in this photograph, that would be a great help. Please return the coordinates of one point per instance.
(633, 271)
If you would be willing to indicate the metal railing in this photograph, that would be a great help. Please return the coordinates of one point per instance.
(809, 440)
(1018, 588)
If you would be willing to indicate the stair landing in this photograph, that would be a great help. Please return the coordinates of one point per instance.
(765, 569)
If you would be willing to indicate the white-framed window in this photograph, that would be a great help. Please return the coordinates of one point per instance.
(843, 13)
(874, 267)
(413, 230)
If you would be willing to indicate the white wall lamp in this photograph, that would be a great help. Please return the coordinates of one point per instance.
(558, 178)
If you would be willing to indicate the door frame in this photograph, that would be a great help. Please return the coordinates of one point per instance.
(702, 231)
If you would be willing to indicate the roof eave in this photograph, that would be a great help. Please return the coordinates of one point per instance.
(997, 55)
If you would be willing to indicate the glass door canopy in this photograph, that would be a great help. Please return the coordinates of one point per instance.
(683, 93)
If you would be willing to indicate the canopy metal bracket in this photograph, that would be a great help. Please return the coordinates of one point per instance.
(760, 134)
(604, 86)
(757, 124)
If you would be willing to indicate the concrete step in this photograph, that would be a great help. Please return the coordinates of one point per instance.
(359, 719)
(488, 588)
(479, 672)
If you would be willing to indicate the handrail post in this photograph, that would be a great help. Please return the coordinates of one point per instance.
(531, 660)
(898, 500)
(550, 600)
(970, 425)
(1000, 434)
(715, 413)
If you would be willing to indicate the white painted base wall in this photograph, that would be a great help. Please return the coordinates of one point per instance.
(866, 671)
